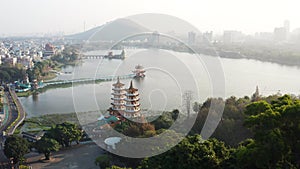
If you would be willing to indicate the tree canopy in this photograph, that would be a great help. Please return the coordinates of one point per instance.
(16, 147)
(46, 146)
(65, 133)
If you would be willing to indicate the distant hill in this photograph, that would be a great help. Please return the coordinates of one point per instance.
(114, 30)
(164, 23)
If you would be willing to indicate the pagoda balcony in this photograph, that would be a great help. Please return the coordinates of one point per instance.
(132, 94)
(118, 108)
(118, 94)
(132, 105)
(132, 110)
(118, 98)
(117, 104)
(130, 115)
(118, 89)
(131, 100)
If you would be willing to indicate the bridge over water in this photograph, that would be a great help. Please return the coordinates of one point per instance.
(90, 80)
(92, 56)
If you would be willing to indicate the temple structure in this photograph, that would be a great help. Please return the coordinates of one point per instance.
(125, 105)
(118, 96)
(132, 106)
(139, 71)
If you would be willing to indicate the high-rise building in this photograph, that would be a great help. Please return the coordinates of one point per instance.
(232, 36)
(208, 36)
(191, 38)
(280, 34)
(287, 25)
(154, 39)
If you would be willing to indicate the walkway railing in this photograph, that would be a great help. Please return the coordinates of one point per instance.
(104, 78)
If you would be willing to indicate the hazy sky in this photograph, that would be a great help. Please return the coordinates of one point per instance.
(68, 16)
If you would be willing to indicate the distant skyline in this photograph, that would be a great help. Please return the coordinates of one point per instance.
(21, 17)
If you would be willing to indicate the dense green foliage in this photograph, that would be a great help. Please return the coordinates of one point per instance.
(69, 55)
(42, 70)
(103, 161)
(11, 74)
(65, 133)
(276, 128)
(230, 129)
(260, 133)
(165, 120)
(191, 152)
(116, 167)
(16, 147)
(133, 129)
(46, 146)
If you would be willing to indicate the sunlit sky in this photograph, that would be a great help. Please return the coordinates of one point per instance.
(18, 17)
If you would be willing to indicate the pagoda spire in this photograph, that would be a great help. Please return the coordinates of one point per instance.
(131, 86)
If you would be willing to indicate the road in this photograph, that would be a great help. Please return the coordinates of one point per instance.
(12, 118)
(77, 157)
(13, 113)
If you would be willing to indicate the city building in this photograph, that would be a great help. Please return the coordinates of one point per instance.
(26, 61)
(280, 34)
(153, 40)
(49, 50)
(232, 36)
(287, 26)
(191, 38)
(264, 35)
(11, 61)
(208, 37)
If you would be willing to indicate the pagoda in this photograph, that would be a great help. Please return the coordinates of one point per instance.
(118, 96)
(139, 71)
(132, 105)
(125, 105)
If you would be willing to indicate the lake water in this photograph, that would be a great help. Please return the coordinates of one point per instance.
(168, 76)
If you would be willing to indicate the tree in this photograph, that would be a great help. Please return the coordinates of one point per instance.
(16, 147)
(117, 167)
(65, 133)
(103, 161)
(133, 131)
(192, 152)
(276, 134)
(196, 107)
(46, 146)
